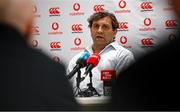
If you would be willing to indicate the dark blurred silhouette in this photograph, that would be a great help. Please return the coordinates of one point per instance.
(152, 83)
(29, 80)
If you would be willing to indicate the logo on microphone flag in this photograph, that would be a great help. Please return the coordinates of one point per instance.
(108, 75)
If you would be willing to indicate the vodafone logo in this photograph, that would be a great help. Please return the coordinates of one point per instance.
(76, 10)
(34, 8)
(34, 43)
(170, 2)
(55, 26)
(76, 6)
(98, 8)
(171, 23)
(172, 37)
(56, 31)
(77, 41)
(123, 39)
(55, 45)
(123, 25)
(76, 27)
(147, 21)
(54, 11)
(122, 4)
(56, 59)
(147, 25)
(146, 5)
(147, 41)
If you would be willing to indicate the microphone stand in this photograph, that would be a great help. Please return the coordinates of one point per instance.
(78, 91)
(91, 91)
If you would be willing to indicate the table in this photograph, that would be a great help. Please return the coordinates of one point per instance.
(93, 103)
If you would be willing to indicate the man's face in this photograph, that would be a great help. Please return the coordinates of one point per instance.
(101, 32)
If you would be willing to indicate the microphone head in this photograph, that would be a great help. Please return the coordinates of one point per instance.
(82, 60)
(94, 59)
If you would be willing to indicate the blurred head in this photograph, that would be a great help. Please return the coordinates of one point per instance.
(18, 14)
(103, 27)
(176, 4)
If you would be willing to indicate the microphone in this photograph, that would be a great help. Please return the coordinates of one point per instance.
(92, 62)
(107, 76)
(80, 63)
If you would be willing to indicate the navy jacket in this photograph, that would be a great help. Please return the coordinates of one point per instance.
(152, 83)
(30, 80)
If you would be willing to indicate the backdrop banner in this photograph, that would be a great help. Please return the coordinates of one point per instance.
(61, 27)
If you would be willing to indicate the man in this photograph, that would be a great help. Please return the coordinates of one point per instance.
(29, 80)
(152, 83)
(103, 27)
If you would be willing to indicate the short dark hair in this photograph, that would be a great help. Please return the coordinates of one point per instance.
(97, 16)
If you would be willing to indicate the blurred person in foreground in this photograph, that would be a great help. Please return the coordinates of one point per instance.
(152, 83)
(114, 58)
(29, 80)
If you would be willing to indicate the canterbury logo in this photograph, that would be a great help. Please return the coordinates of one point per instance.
(76, 27)
(76, 6)
(171, 23)
(147, 41)
(55, 45)
(122, 4)
(123, 25)
(146, 5)
(35, 29)
(99, 8)
(54, 11)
